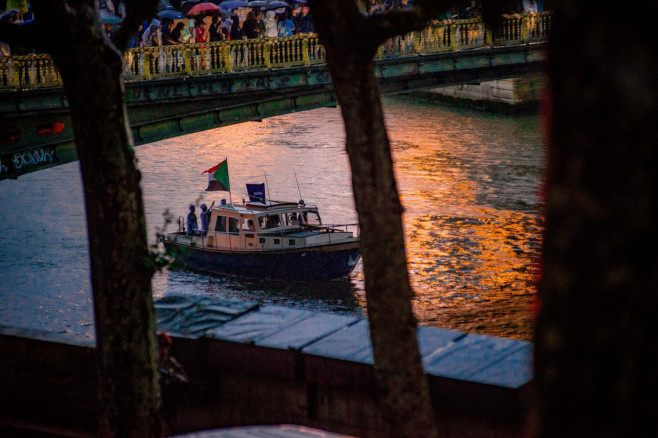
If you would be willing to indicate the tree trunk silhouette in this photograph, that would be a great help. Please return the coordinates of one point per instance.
(596, 351)
(351, 40)
(121, 267)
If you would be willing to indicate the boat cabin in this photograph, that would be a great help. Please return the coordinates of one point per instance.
(269, 225)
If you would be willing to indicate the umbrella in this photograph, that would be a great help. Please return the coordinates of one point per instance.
(170, 14)
(164, 5)
(233, 4)
(9, 14)
(203, 8)
(276, 5)
(257, 3)
(111, 20)
(189, 4)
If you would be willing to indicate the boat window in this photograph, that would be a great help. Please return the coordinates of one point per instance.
(292, 219)
(220, 225)
(311, 218)
(269, 221)
(233, 225)
(248, 225)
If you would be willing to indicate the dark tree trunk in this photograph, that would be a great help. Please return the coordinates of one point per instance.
(121, 267)
(401, 381)
(596, 350)
(121, 275)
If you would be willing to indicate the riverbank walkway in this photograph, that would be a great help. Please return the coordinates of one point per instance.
(272, 365)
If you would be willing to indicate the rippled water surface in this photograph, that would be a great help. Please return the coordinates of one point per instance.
(469, 183)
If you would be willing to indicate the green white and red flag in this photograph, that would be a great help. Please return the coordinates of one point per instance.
(218, 177)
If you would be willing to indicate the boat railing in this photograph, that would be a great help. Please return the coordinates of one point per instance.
(334, 228)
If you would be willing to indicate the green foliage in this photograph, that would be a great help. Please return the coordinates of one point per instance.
(157, 258)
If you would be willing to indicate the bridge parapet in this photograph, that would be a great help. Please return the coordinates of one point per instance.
(33, 71)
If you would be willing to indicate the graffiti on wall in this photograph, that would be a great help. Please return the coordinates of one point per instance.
(19, 162)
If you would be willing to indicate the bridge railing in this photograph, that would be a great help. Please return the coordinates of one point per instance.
(222, 57)
(466, 34)
(32, 71)
(28, 72)
(527, 27)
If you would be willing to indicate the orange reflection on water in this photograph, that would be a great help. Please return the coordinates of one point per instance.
(472, 225)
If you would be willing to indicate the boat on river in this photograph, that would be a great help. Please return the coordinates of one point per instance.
(268, 239)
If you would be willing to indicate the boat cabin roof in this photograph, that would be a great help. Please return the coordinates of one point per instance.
(262, 207)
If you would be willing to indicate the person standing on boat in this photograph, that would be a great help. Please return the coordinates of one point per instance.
(205, 217)
(192, 224)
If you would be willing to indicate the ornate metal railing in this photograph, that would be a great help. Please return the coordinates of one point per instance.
(222, 57)
(25, 72)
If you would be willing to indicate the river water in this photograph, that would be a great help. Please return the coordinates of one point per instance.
(469, 182)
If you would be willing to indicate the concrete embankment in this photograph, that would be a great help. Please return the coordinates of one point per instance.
(270, 365)
(508, 96)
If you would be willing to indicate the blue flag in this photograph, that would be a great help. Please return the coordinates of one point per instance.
(256, 192)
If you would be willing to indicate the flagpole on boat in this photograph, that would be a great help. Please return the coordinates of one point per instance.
(230, 197)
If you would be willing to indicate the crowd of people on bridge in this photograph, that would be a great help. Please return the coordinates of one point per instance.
(288, 18)
(291, 17)
(509, 8)
(224, 25)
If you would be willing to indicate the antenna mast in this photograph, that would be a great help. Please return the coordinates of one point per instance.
(298, 189)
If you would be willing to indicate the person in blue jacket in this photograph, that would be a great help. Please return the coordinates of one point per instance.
(205, 217)
(192, 224)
